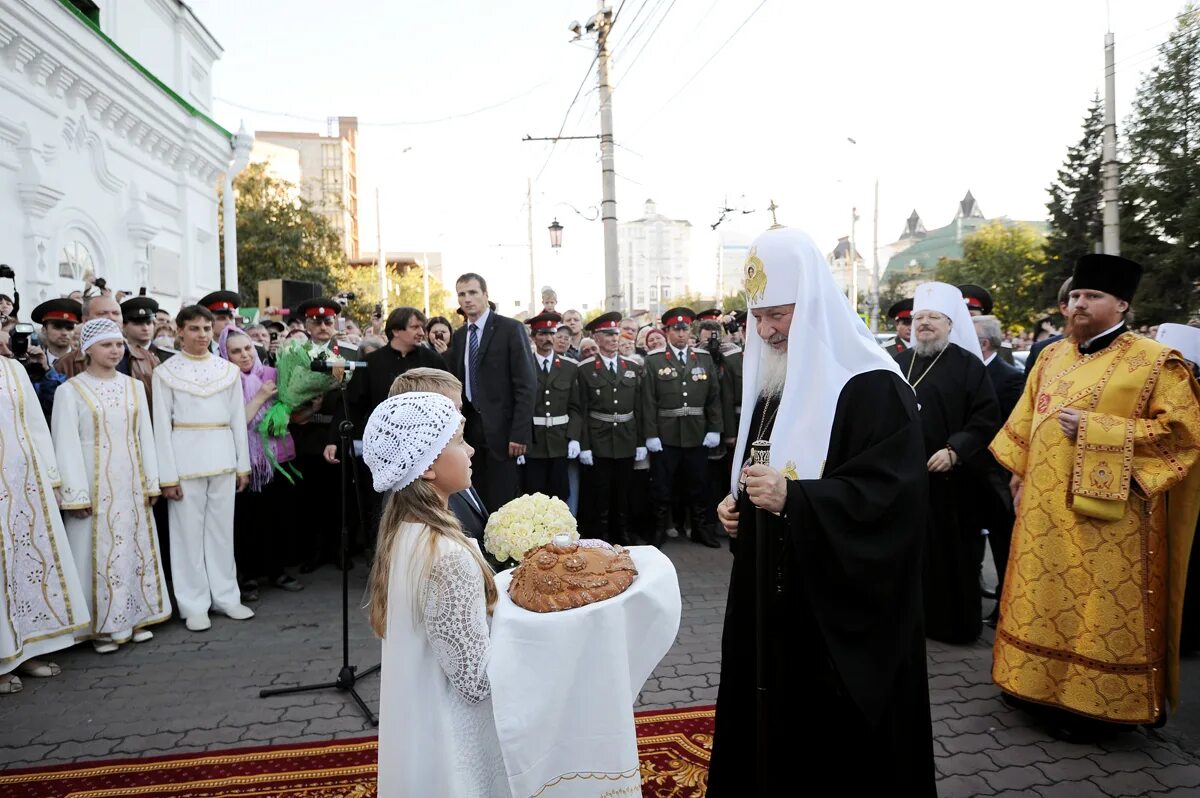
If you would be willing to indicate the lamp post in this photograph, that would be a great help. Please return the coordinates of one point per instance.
(555, 234)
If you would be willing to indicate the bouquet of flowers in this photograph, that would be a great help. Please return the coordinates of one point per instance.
(297, 384)
(525, 523)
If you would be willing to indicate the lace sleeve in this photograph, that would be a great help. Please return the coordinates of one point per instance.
(456, 623)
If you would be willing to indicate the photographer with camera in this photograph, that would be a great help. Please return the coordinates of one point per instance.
(437, 334)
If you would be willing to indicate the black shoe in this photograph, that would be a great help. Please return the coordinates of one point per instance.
(288, 582)
(308, 566)
(662, 515)
(702, 536)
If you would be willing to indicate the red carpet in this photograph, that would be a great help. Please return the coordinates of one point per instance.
(673, 746)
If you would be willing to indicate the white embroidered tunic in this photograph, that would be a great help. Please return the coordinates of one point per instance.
(199, 419)
(105, 449)
(437, 735)
(41, 603)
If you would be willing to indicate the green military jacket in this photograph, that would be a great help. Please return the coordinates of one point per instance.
(557, 412)
(681, 402)
(612, 422)
(731, 391)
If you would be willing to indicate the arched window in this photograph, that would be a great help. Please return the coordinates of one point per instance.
(75, 260)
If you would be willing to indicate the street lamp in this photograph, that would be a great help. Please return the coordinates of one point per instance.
(555, 234)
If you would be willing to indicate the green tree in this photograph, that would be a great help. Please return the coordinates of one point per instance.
(1161, 219)
(1008, 261)
(732, 302)
(1076, 206)
(279, 235)
(408, 290)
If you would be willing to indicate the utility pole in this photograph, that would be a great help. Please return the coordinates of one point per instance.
(1112, 177)
(853, 261)
(532, 277)
(608, 205)
(875, 263)
(383, 292)
(425, 280)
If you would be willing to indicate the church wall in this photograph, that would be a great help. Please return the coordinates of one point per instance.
(100, 169)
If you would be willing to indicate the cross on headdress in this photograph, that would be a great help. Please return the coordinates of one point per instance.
(774, 222)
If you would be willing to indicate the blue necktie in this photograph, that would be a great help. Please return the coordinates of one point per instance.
(474, 355)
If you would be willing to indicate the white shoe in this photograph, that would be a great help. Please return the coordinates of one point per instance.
(198, 623)
(238, 612)
(9, 684)
(142, 635)
(104, 645)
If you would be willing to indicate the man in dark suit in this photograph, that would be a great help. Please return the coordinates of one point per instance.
(1064, 299)
(468, 507)
(995, 505)
(492, 356)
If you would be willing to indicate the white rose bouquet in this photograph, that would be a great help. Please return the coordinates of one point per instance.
(525, 523)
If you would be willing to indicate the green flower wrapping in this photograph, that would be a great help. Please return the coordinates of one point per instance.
(296, 383)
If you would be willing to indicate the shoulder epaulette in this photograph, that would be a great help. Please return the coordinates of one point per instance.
(658, 351)
(704, 352)
(572, 361)
(584, 362)
(734, 350)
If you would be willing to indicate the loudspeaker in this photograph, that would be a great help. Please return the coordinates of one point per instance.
(274, 295)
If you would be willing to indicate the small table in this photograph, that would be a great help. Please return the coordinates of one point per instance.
(564, 683)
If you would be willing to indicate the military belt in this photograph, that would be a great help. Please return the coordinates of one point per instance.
(611, 418)
(322, 418)
(550, 421)
(680, 412)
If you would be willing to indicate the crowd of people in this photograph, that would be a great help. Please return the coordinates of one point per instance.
(889, 472)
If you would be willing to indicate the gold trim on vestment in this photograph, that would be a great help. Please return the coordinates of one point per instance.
(199, 425)
(206, 475)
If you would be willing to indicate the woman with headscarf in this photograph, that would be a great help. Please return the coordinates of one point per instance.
(105, 450)
(258, 548)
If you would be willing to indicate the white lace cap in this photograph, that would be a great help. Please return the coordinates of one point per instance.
(404, 435)
(97, 330)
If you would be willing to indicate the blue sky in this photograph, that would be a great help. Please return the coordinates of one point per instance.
(941, 96)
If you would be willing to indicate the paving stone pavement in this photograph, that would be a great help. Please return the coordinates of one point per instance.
(183, 692)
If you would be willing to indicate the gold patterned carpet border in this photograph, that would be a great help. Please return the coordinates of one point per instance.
(673, 746)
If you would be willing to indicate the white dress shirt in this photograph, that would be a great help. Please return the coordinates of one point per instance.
(480, 324)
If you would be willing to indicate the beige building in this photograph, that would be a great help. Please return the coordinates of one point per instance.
(328, 172)
(653, 252)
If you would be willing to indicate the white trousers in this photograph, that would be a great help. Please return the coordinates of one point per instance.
(202, 567)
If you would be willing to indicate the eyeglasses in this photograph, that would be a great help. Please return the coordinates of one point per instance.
(325, 321)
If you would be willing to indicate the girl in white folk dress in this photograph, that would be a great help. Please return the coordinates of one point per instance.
(106, 456)
(430, 594)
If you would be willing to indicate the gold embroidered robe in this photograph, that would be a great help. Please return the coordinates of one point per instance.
(1090, 612)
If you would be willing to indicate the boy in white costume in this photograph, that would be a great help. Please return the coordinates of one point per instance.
(203, 460)
(105, 450)
(41, 604)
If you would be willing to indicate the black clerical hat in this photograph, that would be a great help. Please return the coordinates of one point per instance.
(901, 310)
(1111, 274)
(977, 298)
(67, 311)
(138, 308)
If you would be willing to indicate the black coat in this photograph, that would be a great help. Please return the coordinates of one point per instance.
(1009, 382)
(369, 387)
(1036, 350)
(473, 520)
(506, 382)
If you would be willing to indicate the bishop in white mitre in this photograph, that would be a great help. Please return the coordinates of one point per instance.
(41, 604)
(105, 449)
(203, 460)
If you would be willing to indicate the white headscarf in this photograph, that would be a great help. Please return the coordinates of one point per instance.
(948, 300)
(97, 330)
(828, 344)
(1182, 338)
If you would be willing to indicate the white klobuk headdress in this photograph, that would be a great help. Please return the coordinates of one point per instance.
(1183, 339)
(948, 300)
(827, 345)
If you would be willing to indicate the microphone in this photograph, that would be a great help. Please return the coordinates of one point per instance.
(329, 365)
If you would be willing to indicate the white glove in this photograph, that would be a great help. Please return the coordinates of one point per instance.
(585, 457)
(712, 440)
(639, 454)
(572, 449)
(521, 460)
(654, 444)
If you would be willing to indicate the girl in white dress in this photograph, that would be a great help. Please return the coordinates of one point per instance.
(105, 450)
(429, 596)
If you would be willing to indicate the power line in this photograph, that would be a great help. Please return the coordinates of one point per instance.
(628, 41)
(632, 22)
(646, 43)
(449, 118)
(553, 145)
(710, 59)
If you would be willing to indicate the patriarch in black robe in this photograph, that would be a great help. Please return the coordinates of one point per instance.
(960, 416)
(843, 503)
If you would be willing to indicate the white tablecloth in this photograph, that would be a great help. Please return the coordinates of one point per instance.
(564, 683)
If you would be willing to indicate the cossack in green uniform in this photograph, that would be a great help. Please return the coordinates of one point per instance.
(610, 393)
(557, 413)
(681, 416)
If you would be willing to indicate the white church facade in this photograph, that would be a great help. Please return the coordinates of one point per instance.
(110, 163)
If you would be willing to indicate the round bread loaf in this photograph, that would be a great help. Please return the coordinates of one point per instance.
(562, 575)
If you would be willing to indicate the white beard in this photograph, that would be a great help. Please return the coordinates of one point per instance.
(772, 375)
(931, 348)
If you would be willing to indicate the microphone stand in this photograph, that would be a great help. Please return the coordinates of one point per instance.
(760, 454)
(348, 675)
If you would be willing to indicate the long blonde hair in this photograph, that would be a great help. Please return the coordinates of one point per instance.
(419, 503)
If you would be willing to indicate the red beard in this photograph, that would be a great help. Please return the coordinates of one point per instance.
(1082, 328)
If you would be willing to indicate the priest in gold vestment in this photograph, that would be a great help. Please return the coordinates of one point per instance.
(1101, 447)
